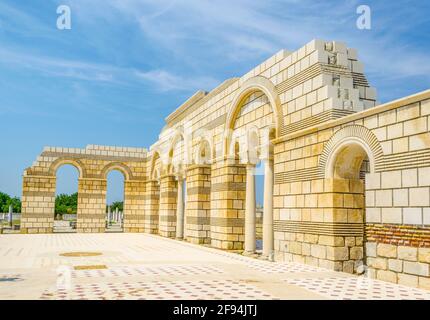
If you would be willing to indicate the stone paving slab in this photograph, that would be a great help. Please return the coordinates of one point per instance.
(141, 266)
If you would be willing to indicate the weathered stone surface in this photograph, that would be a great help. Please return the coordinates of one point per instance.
(386, 250)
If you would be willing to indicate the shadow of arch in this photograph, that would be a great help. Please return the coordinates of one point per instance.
(74, 162)
(125, 170)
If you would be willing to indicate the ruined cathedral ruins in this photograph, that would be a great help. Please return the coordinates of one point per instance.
(346, 179)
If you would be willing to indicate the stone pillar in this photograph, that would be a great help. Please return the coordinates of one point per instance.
(197, 207)
(180, 209)
(134, 202)
(38, 204)
(91, 205)
(151, 206)
(227, 201)
(109, 214)
(268, 244)
(250, 239)
(10, 215)
(168, 197)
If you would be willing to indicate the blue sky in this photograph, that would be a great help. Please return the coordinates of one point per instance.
(126, 64)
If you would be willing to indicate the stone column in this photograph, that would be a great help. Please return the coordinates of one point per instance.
(91, 216)
(250, 210)
(197, 207)
(132, 218)
(109, 214)
(180, 210)
(10, 216)
(168, 197)
(268, 210)
(38, 204)
(151, 206)
(227, 204)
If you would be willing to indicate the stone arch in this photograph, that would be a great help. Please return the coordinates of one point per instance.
(253, 145)
(62, 161)
(152, 169)
(360, 141)
(249, 87)
(125, 170)
(204, 151)
(177, 137)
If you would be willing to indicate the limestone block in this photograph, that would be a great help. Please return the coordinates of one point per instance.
(407, 253)
(407, 280)
(377, 263)
(373, 181)
(384, 198)
(395, 265)
(338, 253)
(424, 176)
(415, 126)
(371, 249)
(424, 282)
(408, 112)
(412, 216)
(356, 253)
(400, 197)
(419, 197)
(385, 275)
(373, 215)
(391, 179)
(424, 255)
(409, 178)
(417, 268)
(419, 142)
(387, 250)
(391, 215)
(426, 216)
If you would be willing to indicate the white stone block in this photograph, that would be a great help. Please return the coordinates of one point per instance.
(391, 215)
(373, 181)
(419, 197)
(424, 176)
(352, 53)
(426, 216)
(373, 215)
(409, 178)
(391, 179)
(412, 216)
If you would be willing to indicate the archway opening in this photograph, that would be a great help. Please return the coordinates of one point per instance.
(347, 168)
(66, 199)
(115, 201)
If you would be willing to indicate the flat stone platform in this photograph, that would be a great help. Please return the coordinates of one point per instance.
(142, 266)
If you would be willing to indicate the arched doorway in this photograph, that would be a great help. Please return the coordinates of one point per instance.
(66, 198)
(115, 201)
(349, 162)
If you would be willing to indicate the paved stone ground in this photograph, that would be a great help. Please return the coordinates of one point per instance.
(140, 266)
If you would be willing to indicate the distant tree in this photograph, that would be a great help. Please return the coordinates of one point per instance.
(66, 204)
(6, 201)
(116, 204)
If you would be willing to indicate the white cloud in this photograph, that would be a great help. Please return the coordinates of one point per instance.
(165, 81)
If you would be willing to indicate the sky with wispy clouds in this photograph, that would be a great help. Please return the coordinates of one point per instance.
(126, 64)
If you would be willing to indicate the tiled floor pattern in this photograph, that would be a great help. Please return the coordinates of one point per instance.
(287, 267)
(183, 290)
(166, 270)
(359, 288)
(143, 266)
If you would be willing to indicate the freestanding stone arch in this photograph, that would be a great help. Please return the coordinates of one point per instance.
(93, 163)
